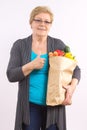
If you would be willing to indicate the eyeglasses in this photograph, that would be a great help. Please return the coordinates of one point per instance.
(39, 21)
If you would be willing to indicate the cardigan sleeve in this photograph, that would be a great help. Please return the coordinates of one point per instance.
(77, 73)
(14, 69)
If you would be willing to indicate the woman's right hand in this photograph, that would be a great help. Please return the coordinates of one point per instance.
(38, 62)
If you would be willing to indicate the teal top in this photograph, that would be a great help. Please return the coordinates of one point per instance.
(38, 82)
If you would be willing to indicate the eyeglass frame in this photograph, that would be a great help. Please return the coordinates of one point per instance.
(39, 21)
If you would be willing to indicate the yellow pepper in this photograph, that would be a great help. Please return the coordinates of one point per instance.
(69, 55)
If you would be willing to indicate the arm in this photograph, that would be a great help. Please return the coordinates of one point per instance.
(71, 88)
(16, 71)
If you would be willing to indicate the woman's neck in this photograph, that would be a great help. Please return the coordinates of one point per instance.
(39, 45)
(39, 39)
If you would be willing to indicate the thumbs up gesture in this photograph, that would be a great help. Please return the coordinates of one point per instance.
(38, 62)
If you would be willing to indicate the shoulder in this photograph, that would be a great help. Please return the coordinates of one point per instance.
(21, 43)
(56, 43)
(56, 40)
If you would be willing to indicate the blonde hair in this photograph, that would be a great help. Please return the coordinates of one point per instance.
(38, 10)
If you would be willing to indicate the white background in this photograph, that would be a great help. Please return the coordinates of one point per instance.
(70, 25)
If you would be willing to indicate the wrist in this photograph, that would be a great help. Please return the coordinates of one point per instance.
(74, 82)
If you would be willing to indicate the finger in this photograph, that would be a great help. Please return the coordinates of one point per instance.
(39, 54)
(65, 87)
(67, 102)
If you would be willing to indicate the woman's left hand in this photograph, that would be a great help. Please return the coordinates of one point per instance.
(68, 95)
(69, 91)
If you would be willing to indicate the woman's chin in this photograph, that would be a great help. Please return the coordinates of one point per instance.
(42, 34)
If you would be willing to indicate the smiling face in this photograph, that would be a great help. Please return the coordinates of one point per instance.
(41, 24)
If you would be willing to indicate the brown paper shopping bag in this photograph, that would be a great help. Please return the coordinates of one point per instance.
(60, 74)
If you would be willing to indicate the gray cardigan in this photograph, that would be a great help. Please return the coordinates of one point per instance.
(20, 55)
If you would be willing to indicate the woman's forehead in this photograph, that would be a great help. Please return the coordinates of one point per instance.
(43, 15)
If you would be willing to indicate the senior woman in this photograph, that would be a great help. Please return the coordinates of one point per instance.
(28, 65)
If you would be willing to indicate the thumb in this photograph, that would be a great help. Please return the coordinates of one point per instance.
(39, 54)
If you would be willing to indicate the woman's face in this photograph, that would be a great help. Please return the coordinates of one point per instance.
(41, 24)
